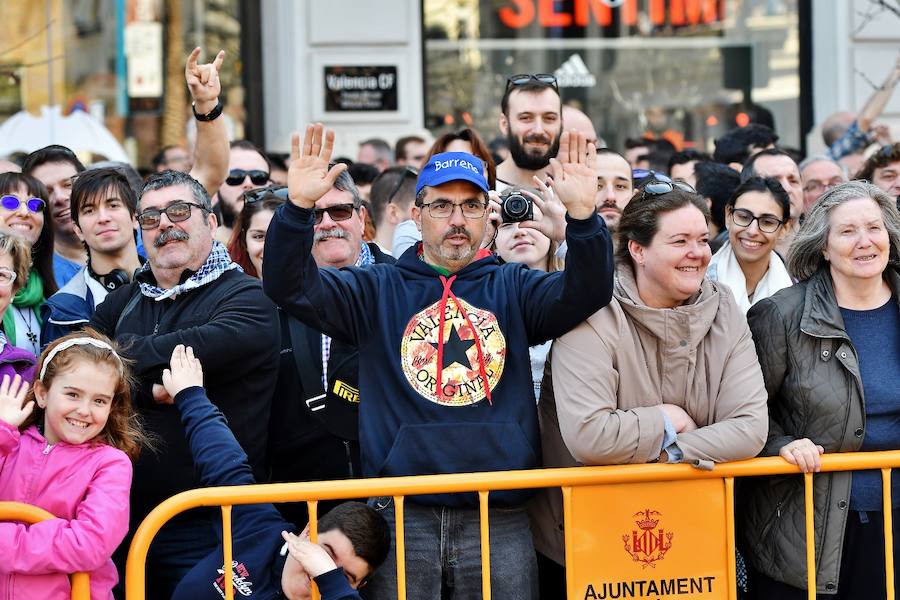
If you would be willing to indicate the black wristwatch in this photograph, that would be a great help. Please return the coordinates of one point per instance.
(211, 115)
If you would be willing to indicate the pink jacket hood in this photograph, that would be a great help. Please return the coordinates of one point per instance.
(87, 487)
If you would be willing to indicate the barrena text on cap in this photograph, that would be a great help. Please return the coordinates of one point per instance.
(452, 166)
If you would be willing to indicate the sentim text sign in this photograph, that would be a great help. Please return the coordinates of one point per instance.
(518, 14)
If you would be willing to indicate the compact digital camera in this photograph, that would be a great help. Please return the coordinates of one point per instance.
(515, 206)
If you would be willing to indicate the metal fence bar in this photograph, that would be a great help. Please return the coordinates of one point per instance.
(400, 545)
(485, 545)
(888, 532)
(312, 509)
(398, 487)
(228, 552)
(810, 537)
(28, 513)
(568, 536)
(729, 538)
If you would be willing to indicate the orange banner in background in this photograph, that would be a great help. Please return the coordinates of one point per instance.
(649, 540)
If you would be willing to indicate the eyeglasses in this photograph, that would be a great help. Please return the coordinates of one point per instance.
(442, 209)
(815, 186)
(524, 78)
(176, 212)
(237, 177)
(12, 202)
(7, 277)
(337, 212)
(658, 188)
(407, 172)
(744, 218)
(251, 196)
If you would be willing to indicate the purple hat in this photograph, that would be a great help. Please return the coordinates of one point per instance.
(452, 166)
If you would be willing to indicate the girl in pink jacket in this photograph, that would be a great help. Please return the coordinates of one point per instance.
(67, 447)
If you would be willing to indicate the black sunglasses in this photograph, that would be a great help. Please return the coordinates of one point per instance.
(337, 212)
(251, 196)
(407, 172)
(237, 176)
(523, 78)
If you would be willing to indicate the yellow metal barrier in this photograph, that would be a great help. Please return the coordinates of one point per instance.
(483, 484)
(26, 513)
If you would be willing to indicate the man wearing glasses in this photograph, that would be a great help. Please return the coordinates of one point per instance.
(189, 292)
(248, 169)
(443, 337)
(530, 118)
(315, 408)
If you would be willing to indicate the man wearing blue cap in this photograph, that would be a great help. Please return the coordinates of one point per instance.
(443, 337)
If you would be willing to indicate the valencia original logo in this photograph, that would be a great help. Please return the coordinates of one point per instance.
(462, 376)
(645, 545)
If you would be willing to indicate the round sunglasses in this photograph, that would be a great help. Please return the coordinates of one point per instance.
(12, 202)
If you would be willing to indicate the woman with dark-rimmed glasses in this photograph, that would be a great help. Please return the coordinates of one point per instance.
(666, 372)
(756, 216)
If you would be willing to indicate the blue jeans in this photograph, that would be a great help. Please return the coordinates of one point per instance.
(443, 554)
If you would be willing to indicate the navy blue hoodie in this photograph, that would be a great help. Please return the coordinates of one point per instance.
(425, 407)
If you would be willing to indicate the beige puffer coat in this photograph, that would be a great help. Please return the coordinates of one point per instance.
(607, 378)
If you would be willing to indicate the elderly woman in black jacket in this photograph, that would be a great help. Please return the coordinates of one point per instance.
(829, 348)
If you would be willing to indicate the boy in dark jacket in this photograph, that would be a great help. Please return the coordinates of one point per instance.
(353, 539)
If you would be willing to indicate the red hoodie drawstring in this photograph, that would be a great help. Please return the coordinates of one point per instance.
(440, 357)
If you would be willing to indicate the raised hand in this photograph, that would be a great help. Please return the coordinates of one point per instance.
(312, 557)
(553, 223)
(574, 175)
(203, 81)
(309, 177)
(12, 398)
(184, 371)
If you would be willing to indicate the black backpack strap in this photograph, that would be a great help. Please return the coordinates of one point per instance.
(132, 302)
(309, 364)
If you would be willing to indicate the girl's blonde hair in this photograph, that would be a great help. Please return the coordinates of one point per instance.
(20, 253)
(123, 430)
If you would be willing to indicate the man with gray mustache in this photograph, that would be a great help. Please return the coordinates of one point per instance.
(189, 292)
(314, 426)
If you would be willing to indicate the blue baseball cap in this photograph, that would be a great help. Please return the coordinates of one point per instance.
(452, 166)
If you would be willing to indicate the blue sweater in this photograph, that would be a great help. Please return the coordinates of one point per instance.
(256, 528)
(452, 400)
(875, 335)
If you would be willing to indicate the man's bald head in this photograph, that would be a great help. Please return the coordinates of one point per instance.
(575, 120)
(835, 126)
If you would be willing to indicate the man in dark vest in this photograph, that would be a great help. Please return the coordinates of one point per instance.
(314, 423)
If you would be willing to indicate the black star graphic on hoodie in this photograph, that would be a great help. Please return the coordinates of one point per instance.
(455, 350)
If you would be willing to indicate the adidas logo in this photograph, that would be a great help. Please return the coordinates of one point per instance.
(574, 73)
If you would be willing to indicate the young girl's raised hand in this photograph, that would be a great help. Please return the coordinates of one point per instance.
(12, 397)
(184, 371)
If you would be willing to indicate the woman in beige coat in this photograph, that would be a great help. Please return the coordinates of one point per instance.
(666, 372)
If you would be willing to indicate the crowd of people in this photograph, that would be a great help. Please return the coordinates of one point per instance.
(442, 307)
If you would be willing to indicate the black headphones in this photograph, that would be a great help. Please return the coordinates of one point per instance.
(112, 280)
